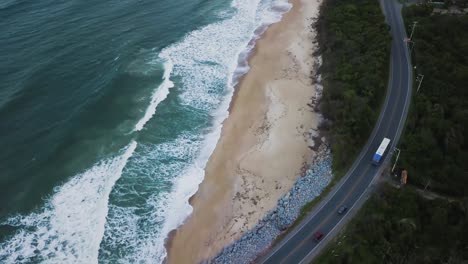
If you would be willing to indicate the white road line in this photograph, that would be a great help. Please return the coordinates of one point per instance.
(360, 157)
(399, 128)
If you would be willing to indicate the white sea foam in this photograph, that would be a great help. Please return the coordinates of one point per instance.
(207, 60)
(208, 57)
(163, 177)
(70, 227)
(178, 208)
(139, 231)
(135, 230)
(158, 96)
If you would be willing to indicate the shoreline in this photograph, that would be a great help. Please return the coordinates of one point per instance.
(265, 144)
(256, 242)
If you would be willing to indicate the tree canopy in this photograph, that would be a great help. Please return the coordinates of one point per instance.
(400, 226)
(355, 46)
(435, 142)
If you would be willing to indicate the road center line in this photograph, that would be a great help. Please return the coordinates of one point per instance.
(332, 212)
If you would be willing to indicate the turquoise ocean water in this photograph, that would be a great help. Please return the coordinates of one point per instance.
(108, 114)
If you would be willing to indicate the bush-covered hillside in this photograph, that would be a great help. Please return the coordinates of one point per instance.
(435, 142)
(400, 226)
(403, 225)
(355, 46)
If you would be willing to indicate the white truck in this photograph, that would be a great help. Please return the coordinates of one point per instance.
(380, 151)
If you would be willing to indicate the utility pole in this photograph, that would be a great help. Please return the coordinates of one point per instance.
(398, 155)
(408, 41)
(419, 79)
(412, 29)
(427, 184)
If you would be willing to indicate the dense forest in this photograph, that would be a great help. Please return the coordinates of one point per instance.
(434, 146)
(407, 225)
(355, 47)
(400, 226)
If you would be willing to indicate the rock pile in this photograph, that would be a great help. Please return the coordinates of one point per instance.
(255, 241)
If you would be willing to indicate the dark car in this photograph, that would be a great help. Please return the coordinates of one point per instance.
(318, 236)
(342, 209)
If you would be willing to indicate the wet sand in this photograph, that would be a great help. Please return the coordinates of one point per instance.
(264, 143)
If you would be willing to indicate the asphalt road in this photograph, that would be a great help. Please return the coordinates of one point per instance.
(299, 246)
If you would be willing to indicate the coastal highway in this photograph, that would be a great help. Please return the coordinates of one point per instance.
(352, 190)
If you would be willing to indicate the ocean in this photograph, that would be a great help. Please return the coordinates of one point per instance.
(109, 112)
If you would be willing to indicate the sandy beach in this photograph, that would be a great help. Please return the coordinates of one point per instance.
(265, 141)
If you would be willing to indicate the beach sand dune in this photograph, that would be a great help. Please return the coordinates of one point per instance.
(264, 143)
